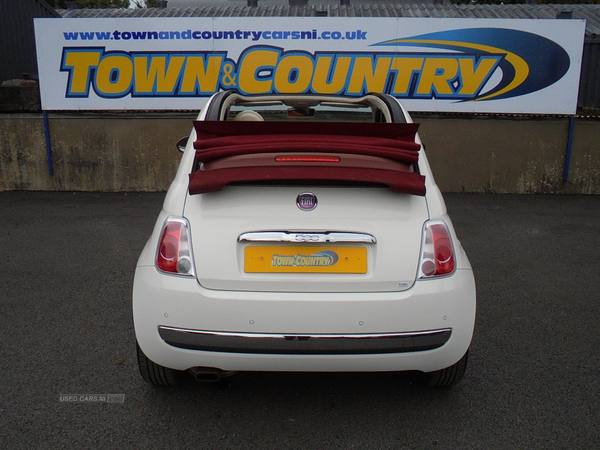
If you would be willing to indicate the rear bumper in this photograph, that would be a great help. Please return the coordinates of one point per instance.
(304, 344)
(179, 324)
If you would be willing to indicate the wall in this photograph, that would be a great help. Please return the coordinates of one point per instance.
(136, 152)
(512, 154)
(90, 153)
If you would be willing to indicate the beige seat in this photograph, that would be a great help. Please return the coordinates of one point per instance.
(249, 116)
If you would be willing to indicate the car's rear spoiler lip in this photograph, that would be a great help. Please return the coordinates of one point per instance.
(202, 182)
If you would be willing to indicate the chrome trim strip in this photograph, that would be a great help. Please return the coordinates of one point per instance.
(307, 237)
(306, 344)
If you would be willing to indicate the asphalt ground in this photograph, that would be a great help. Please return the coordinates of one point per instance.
(66, 328)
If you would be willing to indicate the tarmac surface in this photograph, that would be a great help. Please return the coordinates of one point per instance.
(66, 328)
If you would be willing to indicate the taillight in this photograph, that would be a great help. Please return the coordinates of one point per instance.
(437, 251)
(174, 254)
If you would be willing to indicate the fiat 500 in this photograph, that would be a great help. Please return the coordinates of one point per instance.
(303, 233)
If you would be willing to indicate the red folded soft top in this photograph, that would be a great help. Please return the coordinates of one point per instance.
(228, 152)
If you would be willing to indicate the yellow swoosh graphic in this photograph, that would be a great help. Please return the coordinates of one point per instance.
(521, 67)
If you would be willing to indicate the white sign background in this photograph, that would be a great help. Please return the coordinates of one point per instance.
(116, 34)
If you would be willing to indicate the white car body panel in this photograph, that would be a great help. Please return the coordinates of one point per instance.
(183, 303)
(219, 218)
(223, 298)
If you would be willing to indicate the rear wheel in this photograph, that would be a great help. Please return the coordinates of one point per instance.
(157, 374)
(448, 376)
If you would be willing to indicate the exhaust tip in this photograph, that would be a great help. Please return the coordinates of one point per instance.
(209, 374)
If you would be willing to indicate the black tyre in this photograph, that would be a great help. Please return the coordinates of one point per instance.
(448, 376)
(156, 374)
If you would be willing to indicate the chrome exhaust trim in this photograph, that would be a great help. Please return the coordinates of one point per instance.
(209, 374)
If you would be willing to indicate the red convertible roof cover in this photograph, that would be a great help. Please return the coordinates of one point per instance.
(229, 141)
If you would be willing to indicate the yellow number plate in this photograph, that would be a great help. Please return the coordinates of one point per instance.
(305, 259)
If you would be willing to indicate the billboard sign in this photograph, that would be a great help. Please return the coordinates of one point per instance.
(446, 65)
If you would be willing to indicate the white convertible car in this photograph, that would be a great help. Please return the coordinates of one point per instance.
(303, 233)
